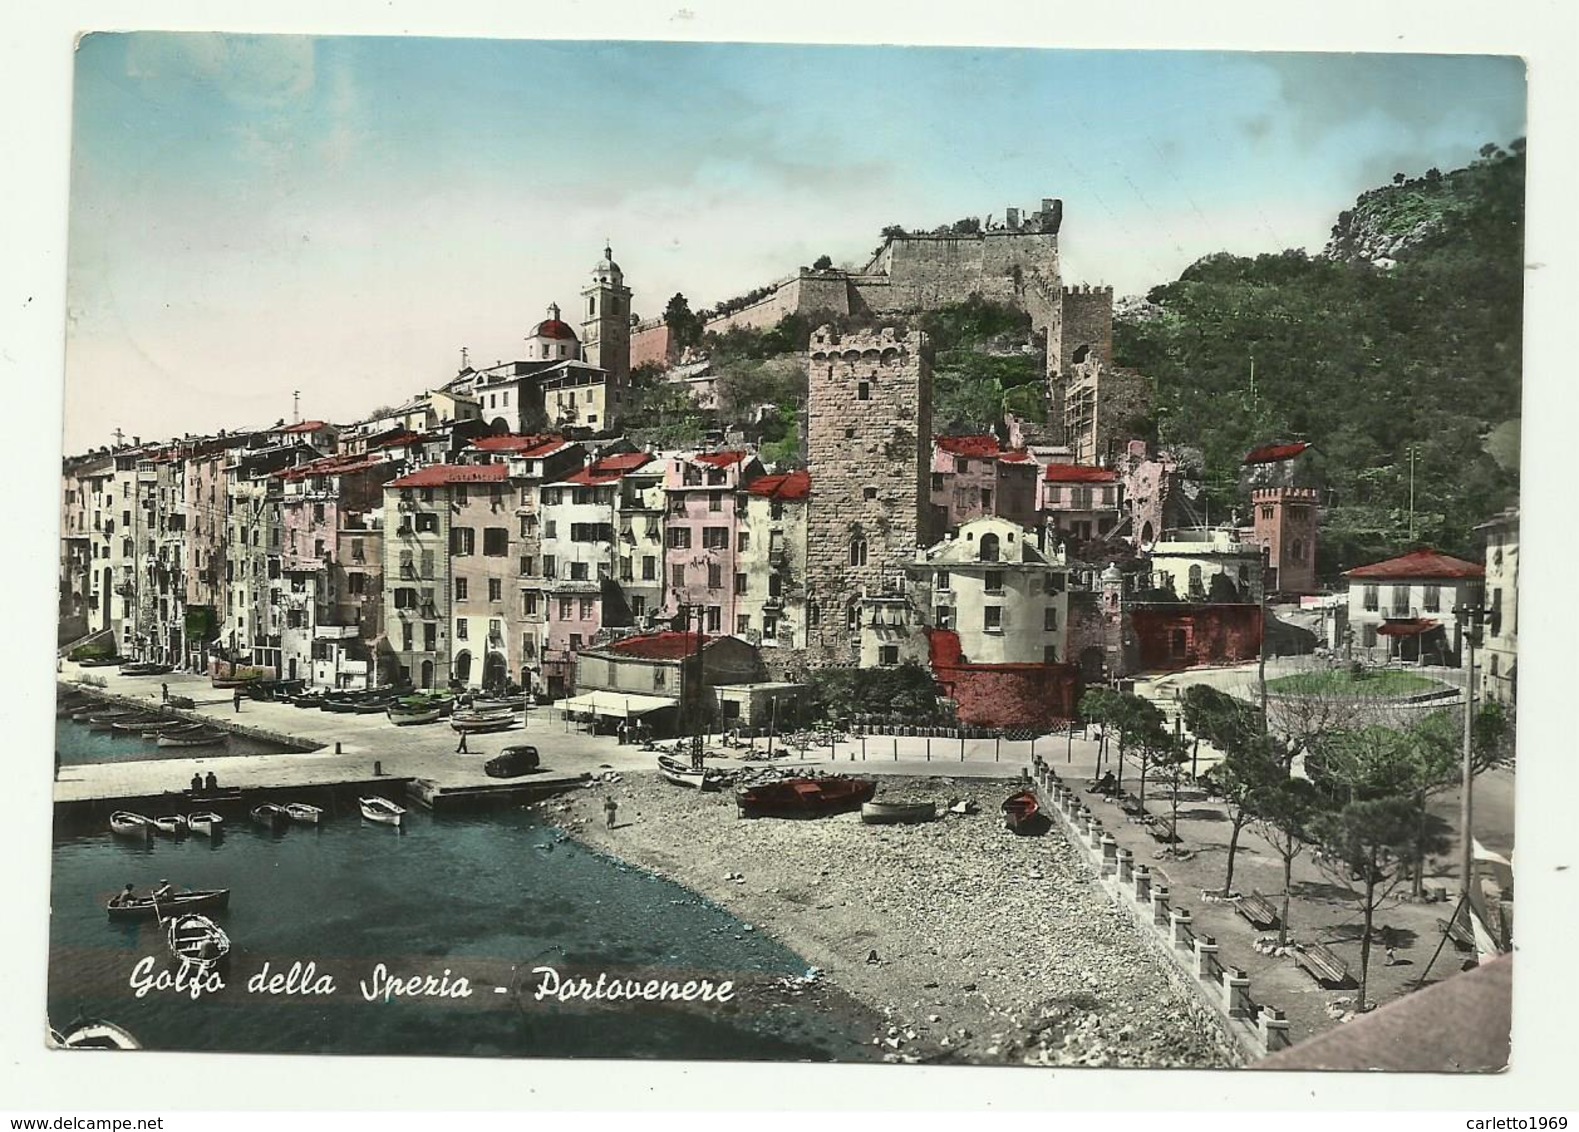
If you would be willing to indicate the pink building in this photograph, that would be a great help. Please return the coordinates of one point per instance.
(973, 477)
(1079, 503)
(706, 533)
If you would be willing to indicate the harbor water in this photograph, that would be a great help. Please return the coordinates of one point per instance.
(485, 898)
(78, 744)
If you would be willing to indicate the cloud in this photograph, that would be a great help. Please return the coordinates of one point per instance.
(249, 70)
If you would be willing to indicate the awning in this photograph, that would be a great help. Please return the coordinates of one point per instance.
(1413, 627)
(614, 705)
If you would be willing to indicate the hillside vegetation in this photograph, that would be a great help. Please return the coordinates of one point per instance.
(1365, 361)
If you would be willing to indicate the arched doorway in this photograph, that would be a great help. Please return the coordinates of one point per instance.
(427, 674)
(462, 668)
(495, 671)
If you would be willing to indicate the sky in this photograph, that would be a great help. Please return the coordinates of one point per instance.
(256, 215)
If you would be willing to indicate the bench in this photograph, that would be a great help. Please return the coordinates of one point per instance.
(1323, 966)
(1131, 806)
(1258, 910)
(1462, 937)
(1159, 830)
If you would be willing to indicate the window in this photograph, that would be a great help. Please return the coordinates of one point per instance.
(1433, 599)
(715, 619)
(460, 494)
(678, 574)
(743, 542)
(1369, 599)
(1267, 512)
(715, 575)
(1049, 654)
(427, 564)
(1400, 601)
(638, 606)
(357, 554)
(550, 566)
(715, 538)
(740, 583)
(430, 637)
(715, 501)
(495, 542)
(591, 532)
(406, 642)
(659, 677)
(564, 609)
(529, 604)
(742, 624)
(1080, 498)
(551, 528)
(813, 615)
(888, 655)
(627, 571)
(460, 628)
(869, 493)
(679, 538)
(526, 565)
(405, 598)
(495, 589)
(863, 391)
(993, 581)
(463, 541)
(857, 551)
(989, 549)
(585, 607)
(649, 568)
(408, 564)
(775, 585)
(427, 524)
(575, 642)
(942, 580)
(943, 617)
(1296, 551)
(1050, 619)
(961, 466)
(526, 525)
(356, 583)
(460, 589)
(986, 499)
(578, 571)
(937, 482)
(992, 619)
(776, 510)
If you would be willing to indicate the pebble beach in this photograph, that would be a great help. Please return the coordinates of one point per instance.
(972, 945)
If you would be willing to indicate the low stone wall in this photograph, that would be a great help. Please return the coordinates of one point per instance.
(290, 742)
(1259, 1029)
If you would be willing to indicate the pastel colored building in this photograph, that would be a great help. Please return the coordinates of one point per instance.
(973, 477)
(1080, 503)
(703, 524)
(1499, 663)
(770, 562)
(1403, 607)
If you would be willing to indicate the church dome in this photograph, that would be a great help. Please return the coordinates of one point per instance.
(552, 327)
(606, 265)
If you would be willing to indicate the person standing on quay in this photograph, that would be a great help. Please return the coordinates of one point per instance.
(610, 808)
(238, 699)
(460, 748)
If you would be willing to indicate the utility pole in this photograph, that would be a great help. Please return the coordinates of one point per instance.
(1411, 493)
(296, 406)
(1266, 562)
(1470, 619)
(700, 688)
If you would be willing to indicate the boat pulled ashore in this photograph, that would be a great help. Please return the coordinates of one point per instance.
(1022, 814)
(381, 810)
(897, 813)
(804, 797)
(147, 908)
(682, 773)
(482, 724)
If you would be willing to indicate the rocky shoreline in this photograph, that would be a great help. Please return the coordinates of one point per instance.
(972, 945)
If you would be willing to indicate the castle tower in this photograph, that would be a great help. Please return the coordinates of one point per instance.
(868, 450)
(605, 330)
(1285, 523)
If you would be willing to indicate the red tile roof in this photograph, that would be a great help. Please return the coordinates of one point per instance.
(1272, 453)
(1411, 627)
(442, 475)
(1422, 563)
(662, 646)
(393, 439)
(978, 446)
(329, 466)
(1015, 456)
(525, 446)
(306, 426)
(1078, 473)
(609, 470)
(719, 459)
(788, 486)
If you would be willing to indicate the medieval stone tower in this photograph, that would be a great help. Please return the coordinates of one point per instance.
(1285, 523)
(605, 329)
(868, 449)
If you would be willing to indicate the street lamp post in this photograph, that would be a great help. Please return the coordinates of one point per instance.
(1470, 618)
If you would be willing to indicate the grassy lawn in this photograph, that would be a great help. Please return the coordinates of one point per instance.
(1342, 682)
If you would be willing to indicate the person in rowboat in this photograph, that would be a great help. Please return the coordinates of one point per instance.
(163, 892)
(123, 897)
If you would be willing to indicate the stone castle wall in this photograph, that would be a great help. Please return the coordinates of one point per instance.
(869, 459)
(652, 343)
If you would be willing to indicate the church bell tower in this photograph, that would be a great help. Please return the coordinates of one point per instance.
(605, 327)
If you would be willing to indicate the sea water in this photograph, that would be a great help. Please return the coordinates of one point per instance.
(78, 744)
(490, 899)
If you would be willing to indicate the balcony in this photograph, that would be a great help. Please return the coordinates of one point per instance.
(337, 632)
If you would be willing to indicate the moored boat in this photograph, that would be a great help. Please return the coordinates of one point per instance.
(897, 813)
(145, 668)
(147, 908)
(93, 1033)
(804, 797)
(371, 706)
(200, 738)
(382, 810)
(104, 721)
(1022, 814)
(340, 704)
(124, 823)
(302, 813)
(137, 724)
(272, 815)
(498, 703)
(512, 762)
(197, 941)
(170, 825)
(205, 822)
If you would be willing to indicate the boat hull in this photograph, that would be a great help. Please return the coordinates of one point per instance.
(381, 810)
(303, 814)
(473, 725)
(271, 816)
(212, 740)
(1022, 815)
(205, 824)
(897, 813)
(95, 1034)
(172, 826)
(804, 797)
(126, 824)
(407, 718)
(145, 908)
(198, 942)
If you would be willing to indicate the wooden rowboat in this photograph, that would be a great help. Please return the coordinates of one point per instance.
(895, 813)
(683, 774)
(381, 810)
(804, 797)
(272, 815)
(103, 721)
(147, 908)
(302, 813)
(149, 725)
(172, 825)
(205, 822)
(93, 1033)
(405, 717)
(1022, 814)
(124, 823)
(197, 941)
(199, 738)
(482, 724)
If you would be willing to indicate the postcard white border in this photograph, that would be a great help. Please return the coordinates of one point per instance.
(35, 73)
